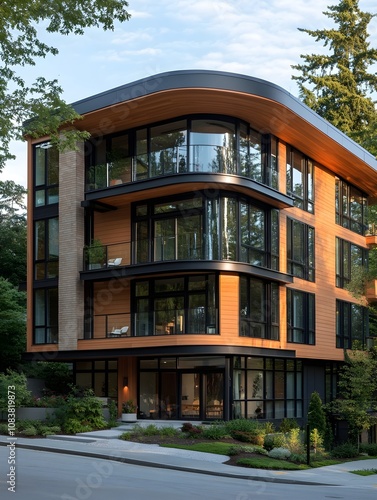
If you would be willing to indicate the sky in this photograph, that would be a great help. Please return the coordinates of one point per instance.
(259, 39)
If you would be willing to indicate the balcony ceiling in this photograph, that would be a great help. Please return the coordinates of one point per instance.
(267, 107)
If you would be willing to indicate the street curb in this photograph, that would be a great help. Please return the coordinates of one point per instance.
(143, 463)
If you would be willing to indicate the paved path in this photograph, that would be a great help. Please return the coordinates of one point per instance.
(106, 445)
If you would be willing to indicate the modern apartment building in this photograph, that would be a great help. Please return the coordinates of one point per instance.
(194, 254)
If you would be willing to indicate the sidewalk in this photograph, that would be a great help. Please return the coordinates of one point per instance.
(105, 445)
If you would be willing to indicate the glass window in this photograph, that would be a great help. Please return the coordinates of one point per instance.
(301, 317)
(259, 309)
(300, 251)
(46, 174)
(300, 181)
(46, 248)
(46, 316)
(168, 148)
(351, 324)
(349, 259)
(176, 306)
(350, 206)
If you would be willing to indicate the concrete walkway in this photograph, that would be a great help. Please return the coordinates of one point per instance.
(106, 445)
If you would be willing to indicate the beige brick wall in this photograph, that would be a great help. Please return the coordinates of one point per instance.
(71, 242)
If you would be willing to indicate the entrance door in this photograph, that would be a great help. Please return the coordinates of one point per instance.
(202, 395)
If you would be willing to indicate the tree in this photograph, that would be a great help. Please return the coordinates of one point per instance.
(12, 232)
(339, 83)
(12, 325)
(358, 388)
(20, 45)
(316, 414)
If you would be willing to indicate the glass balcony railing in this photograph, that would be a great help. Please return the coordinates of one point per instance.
(185, 246)
(197, 158)
(109, 326)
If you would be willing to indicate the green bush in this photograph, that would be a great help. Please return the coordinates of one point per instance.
(279, 453)
(293, 441)
(113, 412)
(30, 431)
(243, 425)
(346, 450)
(370, 449)
(288, 424)
(150, 430)
(214, 431)
(276, 440)
(169, 432)
(238, 449)
(298, 458)
(269, 427)
(3, 428)
(18, 381)
(82, 412)
(191, 430)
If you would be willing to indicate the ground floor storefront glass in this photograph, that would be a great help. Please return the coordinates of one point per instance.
(196, 388)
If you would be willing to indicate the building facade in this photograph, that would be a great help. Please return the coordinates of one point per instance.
(194, 254)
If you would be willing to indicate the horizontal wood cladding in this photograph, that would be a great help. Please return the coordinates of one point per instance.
(114, 226)
(265, 115)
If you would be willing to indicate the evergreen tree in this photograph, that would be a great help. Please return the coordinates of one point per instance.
(338, 84)
(316, 414)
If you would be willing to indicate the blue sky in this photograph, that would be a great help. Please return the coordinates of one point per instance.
(259, 39)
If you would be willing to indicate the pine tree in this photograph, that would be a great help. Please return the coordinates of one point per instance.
(316, 414)
(337, 85)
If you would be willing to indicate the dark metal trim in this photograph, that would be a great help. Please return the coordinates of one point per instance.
(196, 350)
(277, 198)
(180, 266)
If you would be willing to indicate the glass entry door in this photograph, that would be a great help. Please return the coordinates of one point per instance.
(202, 395)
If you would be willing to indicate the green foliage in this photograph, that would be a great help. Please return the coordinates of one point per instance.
(369, 448)
(238, 449)
(17, 380)
(357, 386)
(113, 412)
(82, 412)
(269, 427)
(191, 430)
(316, 414)
(30, 431)
(58, 377)
(293, 441)
(214, 431)
(21, 46)
(337, 83)
(169, 432)
(276, 440)
(268, 463)
(345, 450)
(316, 440)
(288, 424)
(242, 424)
(128, 407)
(279, 453)
(12, 325)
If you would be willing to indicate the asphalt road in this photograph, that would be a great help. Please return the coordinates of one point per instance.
(43, 475)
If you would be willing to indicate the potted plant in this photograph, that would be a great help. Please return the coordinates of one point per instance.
(95, 254)
(129, 411)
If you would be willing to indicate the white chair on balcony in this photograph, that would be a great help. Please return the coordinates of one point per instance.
(118, 332)
(115, 262)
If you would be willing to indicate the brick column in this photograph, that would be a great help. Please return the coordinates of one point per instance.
(71, 242)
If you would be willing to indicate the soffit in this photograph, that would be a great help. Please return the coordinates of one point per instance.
(325, 145)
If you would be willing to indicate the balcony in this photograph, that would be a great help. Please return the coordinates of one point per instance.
(371, 236)
(98, 256)
(196, 158)
(197, 321)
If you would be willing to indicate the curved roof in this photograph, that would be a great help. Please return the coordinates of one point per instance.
(266, 106)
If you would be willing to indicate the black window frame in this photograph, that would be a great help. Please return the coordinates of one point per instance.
(306, 262)
(270, 300)
(344, 261)
(307, 200)
(45, 185)
(211, 318)
(307, 330)
(346, 316)
(344, 194)
(51, 331)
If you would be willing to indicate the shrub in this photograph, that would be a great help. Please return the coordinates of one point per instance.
(316, 440)
(279, 453)
(113, 412)
(150, 430)
(30, 431)
(191, 430)
(22, 394)
(293, 441)
(169, 432)
(345, 450)
(370, 449)
(298, 458)
(242, 424)
(3, 428)
(288, 424)
(269, 427)
(82, 412)
(316, 414)
(214, 431)
(276, 440)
